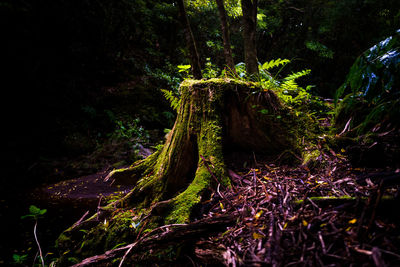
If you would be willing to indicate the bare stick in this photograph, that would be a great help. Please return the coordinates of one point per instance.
(37, 242)
(80, 220)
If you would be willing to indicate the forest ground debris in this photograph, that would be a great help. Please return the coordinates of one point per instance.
(284, 216)
(294, 216)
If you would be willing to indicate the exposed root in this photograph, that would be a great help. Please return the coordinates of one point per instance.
(164, 235)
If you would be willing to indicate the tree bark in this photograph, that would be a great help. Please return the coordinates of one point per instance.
(249, 10)
(225, 36)
(190, 41)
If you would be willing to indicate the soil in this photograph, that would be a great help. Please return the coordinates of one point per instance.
(88, 187)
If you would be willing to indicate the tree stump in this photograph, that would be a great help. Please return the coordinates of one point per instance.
(215, 117)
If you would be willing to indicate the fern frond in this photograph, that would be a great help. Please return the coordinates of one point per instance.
(274, 63)
(297, 75)
(289, 85)
(174, 100)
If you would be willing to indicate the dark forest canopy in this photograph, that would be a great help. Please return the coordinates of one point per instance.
(59, 56)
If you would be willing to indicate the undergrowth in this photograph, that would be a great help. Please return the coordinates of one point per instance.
(294, 96)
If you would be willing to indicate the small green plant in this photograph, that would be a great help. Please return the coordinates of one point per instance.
(35, 213)
(185, 70)
(132, 131)
(286, 88)
(210, 70)
(322, 50)
(169, 75)
(20, 259)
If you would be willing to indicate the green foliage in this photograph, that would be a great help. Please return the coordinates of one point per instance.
(321, 49)
(172, 98)
(19, 259)
(286, 88)
(131, 131)
(34, 212)
(168, 74)
(211, 70)
(274, 63)
(373, 83)
(185, 69)
(325, 36)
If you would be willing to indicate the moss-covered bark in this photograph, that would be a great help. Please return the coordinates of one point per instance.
(214, 117)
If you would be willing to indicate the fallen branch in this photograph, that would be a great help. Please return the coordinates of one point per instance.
(330, 200)
(179, 232)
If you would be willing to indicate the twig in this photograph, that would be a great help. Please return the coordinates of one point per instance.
(378, 200)
(377, 257)
(123, 258)
(37, 242)
(99, 207)
(80, 220)
(322, 242)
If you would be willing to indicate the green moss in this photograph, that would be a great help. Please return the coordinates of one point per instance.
(184, 202)
(62, 240)
(311, 156)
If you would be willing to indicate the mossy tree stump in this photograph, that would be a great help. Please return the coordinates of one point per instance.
(214, 117)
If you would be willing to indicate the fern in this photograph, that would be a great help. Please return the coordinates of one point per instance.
(289, 85)
(274, 63)
(297, 75)
(174, 100)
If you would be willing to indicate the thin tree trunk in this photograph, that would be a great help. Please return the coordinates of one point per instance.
(249, 10)
(190, 41)
(225, 36)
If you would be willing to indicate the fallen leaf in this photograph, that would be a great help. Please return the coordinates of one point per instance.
(257, 235)
(353, 221)
(257, 216)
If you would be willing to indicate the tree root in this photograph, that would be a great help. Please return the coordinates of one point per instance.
(164, 235)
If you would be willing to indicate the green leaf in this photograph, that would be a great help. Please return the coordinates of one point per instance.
(172, 98)
(274, 63)
(19, 259)
(183, 68)
(34, 210)
(297, 75)
(43, 211)
(27, 216)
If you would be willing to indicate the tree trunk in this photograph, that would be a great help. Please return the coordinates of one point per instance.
(249, 10)
(215, 117)
(190, 41)
(225, 36)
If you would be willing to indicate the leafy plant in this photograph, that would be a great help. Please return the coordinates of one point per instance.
(321, 49)
(20, 259)
(286, 88)
(210, 70)
(185, 69)
(131, 131)
(373, 83)
(172, 98)
(35, 213)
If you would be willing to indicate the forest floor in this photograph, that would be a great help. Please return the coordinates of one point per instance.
(328, 215)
